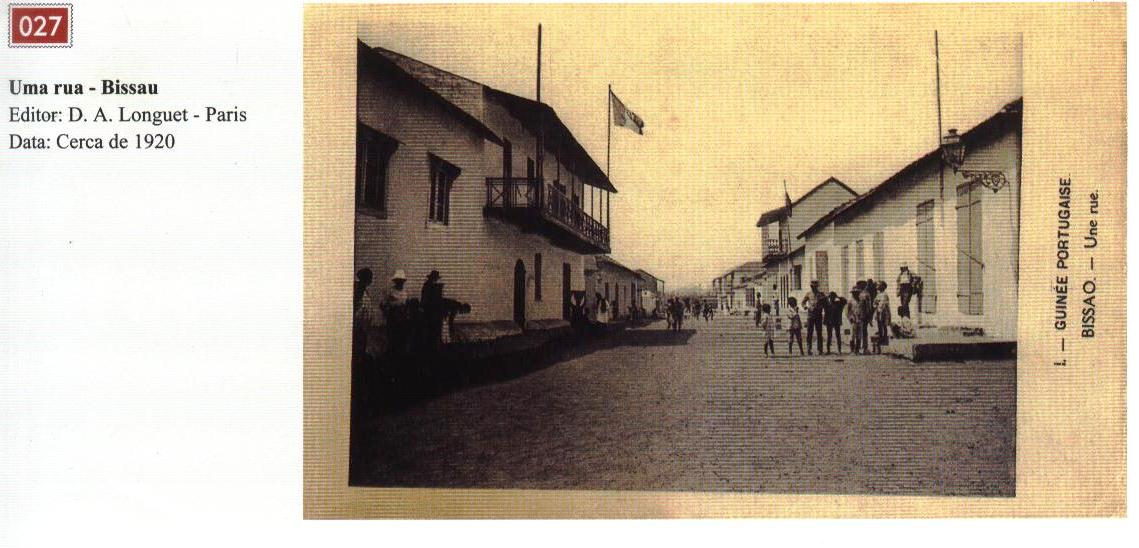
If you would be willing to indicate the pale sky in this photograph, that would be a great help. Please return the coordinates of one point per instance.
(735, 99)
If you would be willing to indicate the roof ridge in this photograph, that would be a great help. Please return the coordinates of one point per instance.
(383, 50)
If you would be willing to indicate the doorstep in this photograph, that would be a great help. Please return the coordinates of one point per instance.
(947, 344)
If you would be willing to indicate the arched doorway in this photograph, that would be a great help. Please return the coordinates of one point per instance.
(520, 293)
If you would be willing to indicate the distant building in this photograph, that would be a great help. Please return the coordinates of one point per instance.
(782, 252)
(651, 291)
(957, 229)
(620, 285)
(735, 290)
(450, 177)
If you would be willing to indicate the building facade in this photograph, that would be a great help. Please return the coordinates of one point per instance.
(450, 177)
(736, 291)
(783, 247)
(620, 285)
(651, 290)
(957, 229)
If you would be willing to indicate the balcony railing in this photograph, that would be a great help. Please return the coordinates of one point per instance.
(774, 248)
(530, 199)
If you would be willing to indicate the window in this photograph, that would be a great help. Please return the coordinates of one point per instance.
(879, 244)
(443, 175)
(797, 277)
(970, 257)
(859, 260)
(373, 154)
(822, 271)
(927, 301)
(537, 276)
(844, 258)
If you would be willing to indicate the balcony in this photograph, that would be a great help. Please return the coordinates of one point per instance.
(774, 249)
(537, 207)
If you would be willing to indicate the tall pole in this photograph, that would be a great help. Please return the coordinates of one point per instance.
(937, 64)
(608, 146)
(538, 96)
(608, 127)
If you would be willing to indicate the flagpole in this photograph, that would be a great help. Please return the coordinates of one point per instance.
(538, 95)
(608, 145)
(937, 64)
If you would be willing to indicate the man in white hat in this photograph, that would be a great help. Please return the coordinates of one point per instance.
(394, 306)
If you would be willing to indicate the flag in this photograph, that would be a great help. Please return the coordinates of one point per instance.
(623, 117)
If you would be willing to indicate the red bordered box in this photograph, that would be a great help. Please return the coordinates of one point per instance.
(39, 25)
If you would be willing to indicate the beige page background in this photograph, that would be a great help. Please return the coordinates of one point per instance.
(1070, 419)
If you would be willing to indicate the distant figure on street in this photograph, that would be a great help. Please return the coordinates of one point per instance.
(362, 313)
(852, 317)
(814, 308)
(431, 301)
(602, 309)
(865, 313)
(794, 326)
(882, 316)
(396, 315)
(905, 287)
(832, 319)
(767, 325)
(678, 315)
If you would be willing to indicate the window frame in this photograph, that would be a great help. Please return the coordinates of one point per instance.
(442, 175)
(373, 145)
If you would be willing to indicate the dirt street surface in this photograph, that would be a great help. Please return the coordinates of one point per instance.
(704, 410)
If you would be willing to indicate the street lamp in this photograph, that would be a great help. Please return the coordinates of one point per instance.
(952, 150)
(953, 154)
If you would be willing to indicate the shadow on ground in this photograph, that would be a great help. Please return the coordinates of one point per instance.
(386, 385)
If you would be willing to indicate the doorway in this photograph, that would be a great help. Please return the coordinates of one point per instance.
(520, 293)
(566, 292)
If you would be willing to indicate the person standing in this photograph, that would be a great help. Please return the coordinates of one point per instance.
(767, 325)
(865, 313)
(794, 326)
(832, 319)
(362, 313)
(905, 287)
(852, 316)
(882, 316)
(431, 301)
(815, 306)
(396, 317)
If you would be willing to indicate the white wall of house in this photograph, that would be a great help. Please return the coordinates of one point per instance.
(476, 255)
(891, 221)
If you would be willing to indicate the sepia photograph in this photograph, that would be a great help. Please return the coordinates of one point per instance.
(535, 307)
(740, 250)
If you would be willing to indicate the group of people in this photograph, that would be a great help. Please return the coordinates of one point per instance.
(410, 324)
(869, 306)
(676, 308)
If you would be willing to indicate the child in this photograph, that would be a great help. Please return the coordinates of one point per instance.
(768, 326)
(794, 326)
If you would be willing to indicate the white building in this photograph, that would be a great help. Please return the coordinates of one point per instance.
(450, 178)
(651, 290)
(783, 247)
(959, 230)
